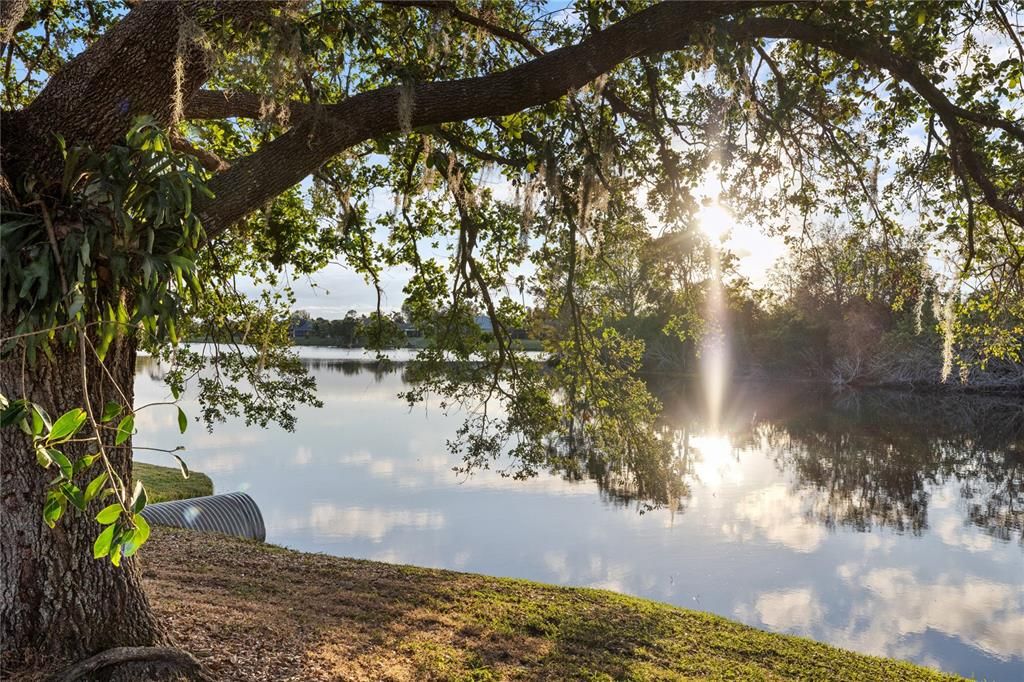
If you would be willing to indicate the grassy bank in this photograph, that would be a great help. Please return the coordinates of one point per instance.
(258, 612)
(167, 483)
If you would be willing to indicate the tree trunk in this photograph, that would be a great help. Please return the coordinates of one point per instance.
(58, 604)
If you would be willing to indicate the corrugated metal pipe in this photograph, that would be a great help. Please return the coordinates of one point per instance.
(232, 514)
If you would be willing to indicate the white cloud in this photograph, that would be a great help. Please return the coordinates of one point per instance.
(789, 610)
(358, 522)
(955, 534)
(776, 515)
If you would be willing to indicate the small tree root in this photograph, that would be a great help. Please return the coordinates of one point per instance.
(173, 661)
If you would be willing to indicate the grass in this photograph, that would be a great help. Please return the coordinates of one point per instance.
(167, 483)
(256, 612)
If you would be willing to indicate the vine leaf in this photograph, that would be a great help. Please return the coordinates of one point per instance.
(139, 497)
(109, 514)
(183, 466)
(110, 411)
(95, 486)
(67, 425)
(138, 537)
(101, 547)
(125, 429)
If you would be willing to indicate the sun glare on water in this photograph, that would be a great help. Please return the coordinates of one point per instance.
(715, 464)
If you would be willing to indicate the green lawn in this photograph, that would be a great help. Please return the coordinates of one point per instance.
(167, 483)
(258, 612)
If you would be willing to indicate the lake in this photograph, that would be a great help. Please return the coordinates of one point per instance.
(886, 523)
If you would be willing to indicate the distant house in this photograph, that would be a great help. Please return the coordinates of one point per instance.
(410, 331)
(484, 323)
(301, 330)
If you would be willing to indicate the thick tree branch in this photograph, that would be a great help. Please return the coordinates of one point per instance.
(11, 12)
(285, 161)
(208, 159)
(91, 100)
(216, 104)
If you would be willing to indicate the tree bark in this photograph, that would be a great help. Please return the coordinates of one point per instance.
(132, 70)
(11, 12)
(58, 604)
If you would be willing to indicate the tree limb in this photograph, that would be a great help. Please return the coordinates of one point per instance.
(206, 158)
(11, 12)
(472, 19)
(217, 104)
(289, 158)
(91, 100)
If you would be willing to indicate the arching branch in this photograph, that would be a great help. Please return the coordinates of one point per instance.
(285, 161)
(472, 19)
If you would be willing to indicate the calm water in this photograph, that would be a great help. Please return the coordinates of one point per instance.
(882, 523)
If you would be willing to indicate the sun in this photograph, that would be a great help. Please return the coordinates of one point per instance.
(715, 220)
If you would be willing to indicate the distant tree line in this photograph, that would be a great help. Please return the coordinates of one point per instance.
(841, 307)
(371, 330)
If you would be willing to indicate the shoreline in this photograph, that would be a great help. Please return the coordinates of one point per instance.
(251, 611)
(254, 611)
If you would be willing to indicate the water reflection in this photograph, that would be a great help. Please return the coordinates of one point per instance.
(869, 460)
(887, 523)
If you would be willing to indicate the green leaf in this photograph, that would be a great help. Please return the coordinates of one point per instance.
(67, 425)
(101, 547)
(110, 411)
(139, 497)
(85, 462)
(37, 421)
(109, 514)
(138, 536)
(182, 466)
(74, 494)
(53, 509)
(62, 461)
(125, 429)
(95, 485)
(43, 457)
(76, 305)
(182, 420)
(13, 412)
(115, 556)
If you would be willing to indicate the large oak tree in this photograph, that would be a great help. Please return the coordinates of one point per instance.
(153, 152)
